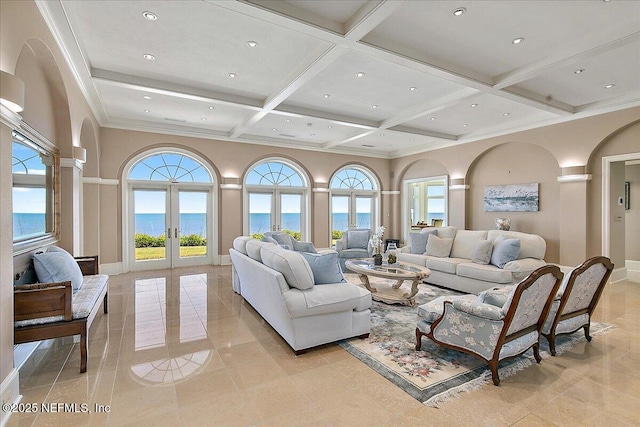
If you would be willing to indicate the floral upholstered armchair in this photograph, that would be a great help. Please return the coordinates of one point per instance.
(576, 299)
(354, 243)
(493, 332)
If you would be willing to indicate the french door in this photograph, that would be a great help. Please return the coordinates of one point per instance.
(275, 210)
(171, 226)
(352, 210)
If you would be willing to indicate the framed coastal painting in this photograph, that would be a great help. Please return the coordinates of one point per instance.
(511, 198)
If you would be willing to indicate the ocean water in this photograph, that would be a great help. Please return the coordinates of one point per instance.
(154, 224)
(28, 224)
(261, 222)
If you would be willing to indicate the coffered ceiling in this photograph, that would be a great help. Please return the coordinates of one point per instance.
(374, 78)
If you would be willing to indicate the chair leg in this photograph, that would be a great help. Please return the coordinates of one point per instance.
(418, 339)
(493, 365)
(106, 307)
(586, 331)
(536, 352)
(551, 339)
(84, 337)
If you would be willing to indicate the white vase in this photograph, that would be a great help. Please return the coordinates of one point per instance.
(503, 224)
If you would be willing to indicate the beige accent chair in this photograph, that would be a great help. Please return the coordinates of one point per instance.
(576, 299)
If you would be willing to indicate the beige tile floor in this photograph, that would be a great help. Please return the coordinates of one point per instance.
(178, 347)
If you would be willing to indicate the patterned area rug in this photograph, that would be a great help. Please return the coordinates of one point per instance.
(434, 374)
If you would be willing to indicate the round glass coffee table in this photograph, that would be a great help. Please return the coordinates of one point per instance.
(400, 271)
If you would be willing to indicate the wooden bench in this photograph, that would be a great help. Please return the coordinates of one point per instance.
(51, 310)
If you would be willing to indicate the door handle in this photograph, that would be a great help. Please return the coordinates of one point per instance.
(273, 227)
(176, 231)
(169, 232)
(278, 227)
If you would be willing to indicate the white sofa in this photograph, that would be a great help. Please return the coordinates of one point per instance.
(280, 285)
(458, 272)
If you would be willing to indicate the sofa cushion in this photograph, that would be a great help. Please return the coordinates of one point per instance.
(282, 238)
(464, 241)
(438, 247)
(446, 265)
(358, 239)
(326, 299)
(487, 273)
(240, 244)
(292, 265)
(531, 245)
(57, 265)
(481, 253)
(504, 251)
(353, 253)
(413, 258)
(325, 267)
(418, 241)
(253, 247)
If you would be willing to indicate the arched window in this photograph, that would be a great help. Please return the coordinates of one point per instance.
(276, 198)
(169, 207)
(172, 167)
(354, 200)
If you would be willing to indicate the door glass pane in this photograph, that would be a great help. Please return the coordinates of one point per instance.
(193, 223)
(363, 212)
(339, 216)
(150, 222)
(259, 213)
(291, 213)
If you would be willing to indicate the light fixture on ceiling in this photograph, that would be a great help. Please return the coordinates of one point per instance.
(382, 134)
(211, 107)
(506, 114)
(312, 134)
(329, 127)
(360, 74)
(150, 16)
(147, 111)
(368, 145)
(609, 86)
(464, 125)
(204, 119)
(251, 43)
(579, 71)
(326, 95)
(146, 97)
(518, 40)
(149, 56)
(11, 92)
(233, 75)
(287, 120)
(432, 118)
(459, 11)
(412, 88)
(474, 105)
(374, 106)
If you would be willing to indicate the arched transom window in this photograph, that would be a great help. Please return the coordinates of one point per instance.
(274, 173)
(353, 179)
(172, 167)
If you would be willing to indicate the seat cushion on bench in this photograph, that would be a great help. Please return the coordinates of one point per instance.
(82, 302)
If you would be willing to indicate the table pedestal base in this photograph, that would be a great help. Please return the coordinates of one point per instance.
(391, 293)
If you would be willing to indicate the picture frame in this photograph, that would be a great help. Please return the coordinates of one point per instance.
(511, 198)
(627, 196)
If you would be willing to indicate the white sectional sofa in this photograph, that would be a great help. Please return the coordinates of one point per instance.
(280, 285)
(457, 271)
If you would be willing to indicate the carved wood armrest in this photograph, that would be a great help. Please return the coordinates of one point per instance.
(42, 300)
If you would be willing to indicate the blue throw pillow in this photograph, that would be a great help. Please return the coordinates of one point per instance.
(304, 247)
(418, 241)
(504, 251)
(57, 266)
(325, 267)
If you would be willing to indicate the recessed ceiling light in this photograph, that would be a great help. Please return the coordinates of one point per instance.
(506, 114)
(287, 120)
(412, 88)
(412, 139)
(312, 134)
(150, 16)
(360, 74)
(432, 118)
(251, 43)
(211, 107)
(518, 40)
(149, 57)
(464, 125)
(326, 95)
(474, 105)
(233, 75)
(146, 97)
(459, 11)
(329, 127)
(609, 86)
(580, 71)
(273, 129)
(147, 111)
(374, 106)
(382, 134)
(204, 119)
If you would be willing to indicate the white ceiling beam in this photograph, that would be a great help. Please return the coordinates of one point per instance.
(430, 133)
(368, 17)
(584, 50)
(291, 111)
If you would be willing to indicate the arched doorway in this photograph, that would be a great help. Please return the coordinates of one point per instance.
(169, 205)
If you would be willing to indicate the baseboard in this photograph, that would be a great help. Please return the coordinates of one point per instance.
(225, 259)
(112, 268)
(633, 270)
(618, 275)
(9, 393)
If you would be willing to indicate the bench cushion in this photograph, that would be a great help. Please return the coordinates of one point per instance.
(82, 302)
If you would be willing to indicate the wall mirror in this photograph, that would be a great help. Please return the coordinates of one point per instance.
(35, 167)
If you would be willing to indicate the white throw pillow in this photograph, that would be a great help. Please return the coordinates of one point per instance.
(481, 253)
(438, 246)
